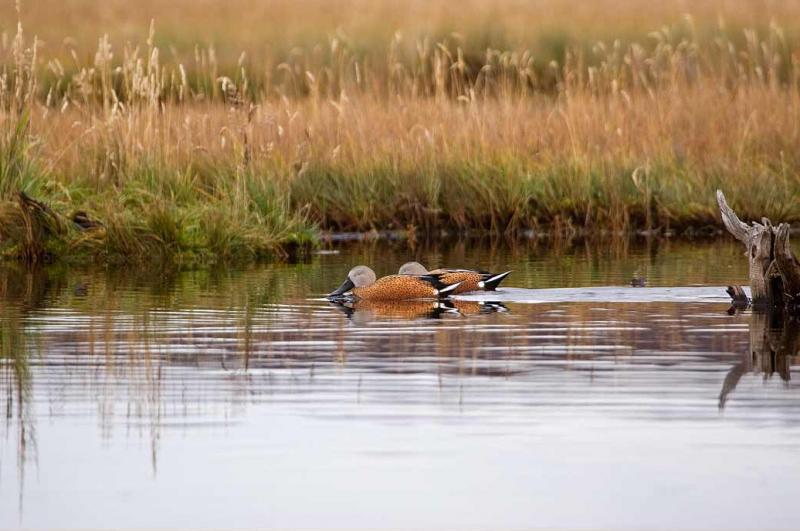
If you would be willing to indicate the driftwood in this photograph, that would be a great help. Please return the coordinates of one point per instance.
(774, 269)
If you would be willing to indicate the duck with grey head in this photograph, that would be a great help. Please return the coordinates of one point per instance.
(467, 279)
(362, 283)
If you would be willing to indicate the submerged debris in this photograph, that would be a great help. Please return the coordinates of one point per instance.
(638, 281)
(739, 299)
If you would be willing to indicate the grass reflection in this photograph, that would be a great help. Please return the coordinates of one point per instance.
(158, 349)
(21, 290)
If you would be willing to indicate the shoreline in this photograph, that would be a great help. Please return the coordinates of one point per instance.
(129, 162)
(329, 242)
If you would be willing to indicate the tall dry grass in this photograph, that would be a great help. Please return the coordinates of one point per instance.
(208, 158)
(270, 32)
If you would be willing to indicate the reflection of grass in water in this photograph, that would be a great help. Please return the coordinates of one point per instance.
(16, 387)
(22, 290)
(122, 315)
(14, 353)
(124, 312)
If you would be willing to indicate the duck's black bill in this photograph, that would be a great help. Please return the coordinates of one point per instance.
(346, 286)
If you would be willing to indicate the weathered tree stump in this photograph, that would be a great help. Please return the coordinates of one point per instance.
(774, 269)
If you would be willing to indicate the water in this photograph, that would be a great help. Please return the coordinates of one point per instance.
(240, 399)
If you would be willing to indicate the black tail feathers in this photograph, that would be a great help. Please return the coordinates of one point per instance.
(491, 283)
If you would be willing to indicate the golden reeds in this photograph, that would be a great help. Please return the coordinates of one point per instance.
(204, 157)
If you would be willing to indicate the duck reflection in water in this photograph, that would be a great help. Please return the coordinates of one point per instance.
(363, 311)
(466, 308)
(774, 347)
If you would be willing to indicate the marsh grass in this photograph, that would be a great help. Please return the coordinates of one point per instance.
(208, 160)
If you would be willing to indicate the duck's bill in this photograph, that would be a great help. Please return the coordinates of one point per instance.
(346, 286)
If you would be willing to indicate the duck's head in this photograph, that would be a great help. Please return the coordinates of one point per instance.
(358, 277)
(412, 268)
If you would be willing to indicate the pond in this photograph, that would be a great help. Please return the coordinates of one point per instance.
(240, 398)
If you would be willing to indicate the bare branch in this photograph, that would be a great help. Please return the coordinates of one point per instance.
(732, 222)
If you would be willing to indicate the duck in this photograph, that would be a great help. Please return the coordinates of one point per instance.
(467, 279)
(362, 284)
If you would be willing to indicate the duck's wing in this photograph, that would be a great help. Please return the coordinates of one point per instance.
(437, 281)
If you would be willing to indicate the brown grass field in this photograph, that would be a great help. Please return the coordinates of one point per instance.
(241, 129)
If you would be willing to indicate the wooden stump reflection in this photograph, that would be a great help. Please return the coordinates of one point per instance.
(774, 345)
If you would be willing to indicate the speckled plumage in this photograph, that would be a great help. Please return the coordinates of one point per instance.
(467, 307)
(396, 288)
(469, 279)
(403, 310)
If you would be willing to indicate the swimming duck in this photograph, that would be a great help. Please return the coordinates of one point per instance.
(362, 284)
(469, 279)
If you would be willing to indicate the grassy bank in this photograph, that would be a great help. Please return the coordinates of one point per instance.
(136, 154)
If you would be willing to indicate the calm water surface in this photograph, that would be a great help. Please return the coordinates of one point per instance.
(239, 399)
